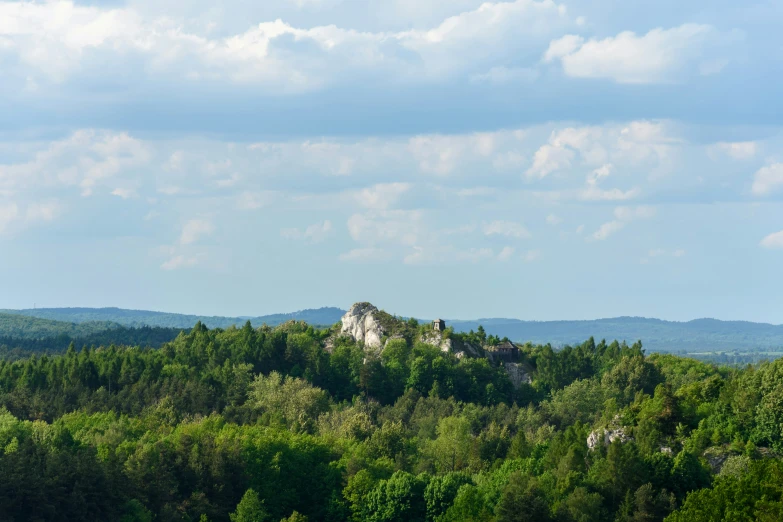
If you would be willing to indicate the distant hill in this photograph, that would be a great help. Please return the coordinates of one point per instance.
(135, 318)
(21, 335)
(26, 327)
(700, 335)
(656, 335)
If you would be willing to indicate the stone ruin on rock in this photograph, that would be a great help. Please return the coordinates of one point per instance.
(362, 322)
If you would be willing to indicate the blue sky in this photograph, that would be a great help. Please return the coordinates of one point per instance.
(526, 159)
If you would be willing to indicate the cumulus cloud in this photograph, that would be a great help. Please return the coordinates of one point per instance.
(60, 39)
(506, 254)
(638, 143)
(8, 214)
(124, 192)
(623, 216)
(663, 253)
(382, 195)
(194, 230)
(741, 150)
(314, 233)
(768, 179)
(506, 75)
(253, 200)
(364, 255)
(607, 229)
(660, 56)
(593, 193)
(401, 227)
(508, 229)
(179, 261)
(86, 159)
(15, 216)
(532, 255)
(474, 255)
(773, 240)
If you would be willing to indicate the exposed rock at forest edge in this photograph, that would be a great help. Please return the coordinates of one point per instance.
(359, 322)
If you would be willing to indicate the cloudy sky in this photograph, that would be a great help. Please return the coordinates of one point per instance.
(524, 158)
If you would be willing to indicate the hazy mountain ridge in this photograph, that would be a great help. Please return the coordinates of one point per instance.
(135, 318)
(656, 334)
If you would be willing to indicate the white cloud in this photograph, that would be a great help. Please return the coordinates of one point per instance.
(607, 229)
(548, 159)
(660, 252)
(401, 227)
(601, 172)
(532, 255)
(623, 215)
(314, 233)
(14, 217)
(178, 262)
(505, 75)
(773, 240)
(506, 254)
(381, 196)
(768, 179)
(365, 255)
(124, 192)
(593, 193)
(660, 56)
(436, 154)
(254, 200)
(638, 143)
(8, 214)
(474, 255)
(42, 212)
(631, 213)
(59, 39)
(741, 150)
(563, 46)
(86, 159)
(507, 228)
(553, 220)
(194, 230)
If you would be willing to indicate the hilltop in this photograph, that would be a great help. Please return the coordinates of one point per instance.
(699, 335)
(134, 318)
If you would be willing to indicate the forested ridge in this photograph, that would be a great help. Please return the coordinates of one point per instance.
(711, 338)
(23, 336)
(299, 423)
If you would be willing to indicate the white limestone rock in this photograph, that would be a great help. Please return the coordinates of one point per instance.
(436, 339)
(360, 323)
(606, 437)
(518, 373)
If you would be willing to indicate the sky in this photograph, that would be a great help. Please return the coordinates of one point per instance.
(452, 158)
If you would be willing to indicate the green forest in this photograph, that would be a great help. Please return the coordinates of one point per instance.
(299, 423)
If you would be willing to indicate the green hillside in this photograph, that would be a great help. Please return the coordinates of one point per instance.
(322, 316)
(26, 327)
(294, 424)
(701, 335)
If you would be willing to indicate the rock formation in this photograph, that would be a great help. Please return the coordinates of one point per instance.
(361, 324)
(518, 373)
(606, 437)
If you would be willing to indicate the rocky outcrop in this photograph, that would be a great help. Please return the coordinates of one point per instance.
(451, 346)
(518, 373)
(436, 339)
(605, 437)
(360, 323)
